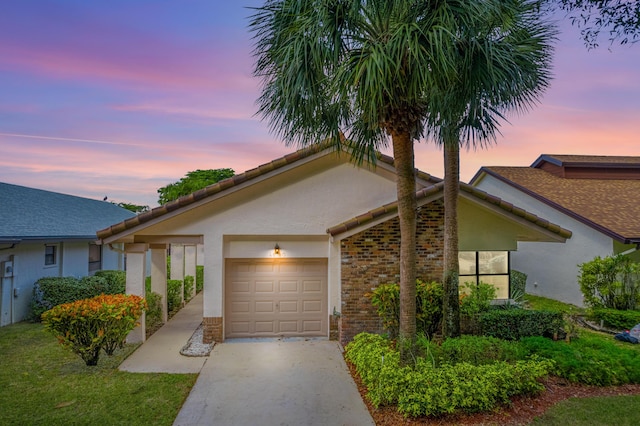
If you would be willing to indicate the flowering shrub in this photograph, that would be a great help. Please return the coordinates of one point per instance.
(89, 325)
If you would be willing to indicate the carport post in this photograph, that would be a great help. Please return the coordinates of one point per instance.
(159, 275)
(136, 274)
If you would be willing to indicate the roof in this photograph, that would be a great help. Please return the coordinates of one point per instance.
(230, 183)
(437, 190)
(608, 205)
(588, 160)
(35, 214)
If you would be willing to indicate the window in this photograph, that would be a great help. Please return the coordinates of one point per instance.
(95, 258)
(490, 267)
(50, 255)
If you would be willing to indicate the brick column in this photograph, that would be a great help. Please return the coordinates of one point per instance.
(212, 330)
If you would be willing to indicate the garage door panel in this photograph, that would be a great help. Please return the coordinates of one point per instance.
(272, 298)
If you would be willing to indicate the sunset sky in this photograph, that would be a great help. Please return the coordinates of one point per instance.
(122, 97)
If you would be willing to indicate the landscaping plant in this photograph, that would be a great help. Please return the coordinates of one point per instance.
(611, 282)
(89, 325)
(189, 287)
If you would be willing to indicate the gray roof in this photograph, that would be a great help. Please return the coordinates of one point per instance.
(35, 214)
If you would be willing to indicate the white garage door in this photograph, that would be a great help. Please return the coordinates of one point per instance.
(276, 297)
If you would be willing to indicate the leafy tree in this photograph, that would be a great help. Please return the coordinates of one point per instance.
(369, 70)
(192, 182)
(620, 19)
(502, 52)
(133, 207)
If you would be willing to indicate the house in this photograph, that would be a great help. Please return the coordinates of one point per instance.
(44, 234)
(293, 247)
(596, 197)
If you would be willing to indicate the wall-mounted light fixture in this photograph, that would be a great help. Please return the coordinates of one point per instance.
(276, 250)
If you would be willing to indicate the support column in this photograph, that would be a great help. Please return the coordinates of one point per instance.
(177, 266)
(136, 274)
(159, 275)
(190, 253)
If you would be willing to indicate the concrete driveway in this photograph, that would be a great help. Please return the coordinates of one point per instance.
(290, 382)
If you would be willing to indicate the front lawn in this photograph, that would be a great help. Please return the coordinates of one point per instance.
(42, 383)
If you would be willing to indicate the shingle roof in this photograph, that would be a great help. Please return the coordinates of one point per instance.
(610, 205)
(436, 190)
(35, 214)
(594, 160)
(229, 183)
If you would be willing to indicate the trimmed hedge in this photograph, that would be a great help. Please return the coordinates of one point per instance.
(514, 324)
(620, 320)
(199, 278)
(116, 281)
(174, 295)
(189, 287)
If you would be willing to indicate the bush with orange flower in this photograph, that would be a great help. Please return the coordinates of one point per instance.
(89, 325)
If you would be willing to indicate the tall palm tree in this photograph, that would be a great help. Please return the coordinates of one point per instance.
(502, 54)
(369, 70)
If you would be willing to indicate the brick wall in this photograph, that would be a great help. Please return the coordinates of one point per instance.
(372, 257)
(212, 330)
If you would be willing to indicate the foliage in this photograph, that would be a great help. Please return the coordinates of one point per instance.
(174, 295)
(478, 350)
(518, 285)
(44, 384)
(386, 299)
(133, 207)
(423, 390)
(199, 278)
(610, 282)
(153, 314)
(116, 280)
(620, 320)
(89, 325)
(619, 19)
(168, 267)
(590, 359)
(513, 324)
(192, 182)
(189, 287)
(476, 299)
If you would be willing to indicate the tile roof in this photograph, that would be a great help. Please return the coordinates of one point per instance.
(234, 181)
(437, 190)
(35, 214)
(610, 205)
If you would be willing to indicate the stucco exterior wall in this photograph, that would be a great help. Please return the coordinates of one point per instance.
(552, 268)
(372, 257)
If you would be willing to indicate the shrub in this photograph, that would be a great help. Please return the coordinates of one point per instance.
(513, 324)
(386, 298)
(589, 360)
(174, 295)
(425, 390)
(86, 326)
(51, 291)
(518, 285)
(611, 282)
(199, 278)
(620, 320)
(116, 281)
(479, 350)
(188, 287)
(153, 316)
(476, 298)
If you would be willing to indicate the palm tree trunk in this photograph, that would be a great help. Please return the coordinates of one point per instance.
(451, 305)
(406, 187)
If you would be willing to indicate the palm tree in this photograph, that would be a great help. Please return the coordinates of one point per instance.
(371, 70)
(503, 55)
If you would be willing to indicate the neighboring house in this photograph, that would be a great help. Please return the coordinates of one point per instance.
(45, 234)
(596, 197)
(294, 247)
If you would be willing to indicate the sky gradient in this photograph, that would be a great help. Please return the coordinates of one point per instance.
(120, 98)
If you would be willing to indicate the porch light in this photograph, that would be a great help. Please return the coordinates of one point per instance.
(276, 250)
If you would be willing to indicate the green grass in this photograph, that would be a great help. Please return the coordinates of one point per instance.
(611, 410)
(42, 383)
(544, 304)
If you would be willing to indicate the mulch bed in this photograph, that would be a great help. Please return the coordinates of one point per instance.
(521, 412)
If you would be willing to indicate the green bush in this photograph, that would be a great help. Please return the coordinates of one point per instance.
(518, 285)
(153, 317)
(52, 291)
(188, 287)
(620, 320)
(427, 391)
(589, 360)
(199, 278)
(478, 350)
(86, 326)
(116, 281)
(611, 282)
(513, 324)
(386, 299)
(174, 295)
(476, 299)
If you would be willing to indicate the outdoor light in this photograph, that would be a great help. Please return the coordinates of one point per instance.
(276, 250)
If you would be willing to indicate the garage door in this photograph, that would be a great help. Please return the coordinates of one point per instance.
(272, 298)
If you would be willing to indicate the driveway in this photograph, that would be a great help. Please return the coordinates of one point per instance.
(275, 382)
